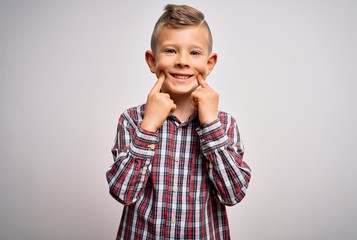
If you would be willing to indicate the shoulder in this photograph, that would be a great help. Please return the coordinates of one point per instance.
(134, 115)
(229, 124)
(225, 118)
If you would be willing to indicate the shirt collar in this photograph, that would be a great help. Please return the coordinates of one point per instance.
(192, 118)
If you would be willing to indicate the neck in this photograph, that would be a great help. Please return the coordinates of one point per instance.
(184, 107)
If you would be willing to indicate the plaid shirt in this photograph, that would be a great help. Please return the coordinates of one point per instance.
(176, 182)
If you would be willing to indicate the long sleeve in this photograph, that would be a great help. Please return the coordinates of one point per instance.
(222, 147)
(133, 152)
(177, 179)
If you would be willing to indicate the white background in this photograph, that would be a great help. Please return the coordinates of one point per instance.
(286, 71)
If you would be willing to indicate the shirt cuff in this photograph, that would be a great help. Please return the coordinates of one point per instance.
(143, 144)
(142, 129)
(212, 136)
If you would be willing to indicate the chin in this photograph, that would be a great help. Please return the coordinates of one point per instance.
(182, 90)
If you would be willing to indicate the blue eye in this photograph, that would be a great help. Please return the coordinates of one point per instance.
(195, 53)
(170, 51)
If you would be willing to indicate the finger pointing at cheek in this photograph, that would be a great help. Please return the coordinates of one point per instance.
(157, 87)
(201, 81)
(205, 100)
(158, 106)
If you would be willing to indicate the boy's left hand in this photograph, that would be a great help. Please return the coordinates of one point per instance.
(205, 100)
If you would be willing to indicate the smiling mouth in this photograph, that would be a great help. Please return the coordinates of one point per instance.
(181, 76)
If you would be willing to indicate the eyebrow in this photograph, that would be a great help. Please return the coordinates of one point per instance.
(193, 46)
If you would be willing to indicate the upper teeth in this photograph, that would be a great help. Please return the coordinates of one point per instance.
(181, 76)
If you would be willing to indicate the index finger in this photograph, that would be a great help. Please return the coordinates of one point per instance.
(201, 81)
(159, 82)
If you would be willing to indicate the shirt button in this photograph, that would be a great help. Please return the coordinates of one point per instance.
(143, 172)
(151, 146)
(173, 220)
(177, 159)
(175, 188)
(210, 165)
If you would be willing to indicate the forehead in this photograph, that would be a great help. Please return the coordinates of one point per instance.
(197, 34)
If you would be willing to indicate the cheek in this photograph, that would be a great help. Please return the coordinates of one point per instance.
(160, 66)
(203, 69)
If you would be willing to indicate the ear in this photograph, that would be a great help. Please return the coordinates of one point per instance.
(150, 60)
(211, 62)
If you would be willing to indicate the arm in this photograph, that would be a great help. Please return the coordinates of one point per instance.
(134, 147)
(133, 152)
(224, 153)
(221, 147)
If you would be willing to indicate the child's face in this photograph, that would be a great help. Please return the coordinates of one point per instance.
(181, 54)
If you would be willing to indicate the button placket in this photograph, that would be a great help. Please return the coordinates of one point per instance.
(175, 177)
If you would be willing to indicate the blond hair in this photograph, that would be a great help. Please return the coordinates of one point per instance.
(180, 16)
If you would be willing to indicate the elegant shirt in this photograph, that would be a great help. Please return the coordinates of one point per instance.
(176, 182)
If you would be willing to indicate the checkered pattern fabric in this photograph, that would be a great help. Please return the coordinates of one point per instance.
(176, 182)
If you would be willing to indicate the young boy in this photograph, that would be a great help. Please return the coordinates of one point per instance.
(178, 160)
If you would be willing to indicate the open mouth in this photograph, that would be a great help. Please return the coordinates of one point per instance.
(181, 76)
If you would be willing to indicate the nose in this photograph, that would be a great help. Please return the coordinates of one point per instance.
(182, 61)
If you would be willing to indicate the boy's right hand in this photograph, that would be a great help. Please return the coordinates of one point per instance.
(158, 107)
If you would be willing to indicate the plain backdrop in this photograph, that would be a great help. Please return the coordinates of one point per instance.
(286, 71)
